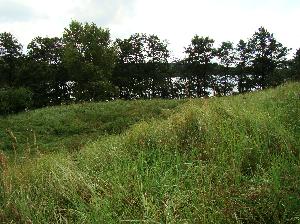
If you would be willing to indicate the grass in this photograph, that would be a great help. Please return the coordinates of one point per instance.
(221, 160)
(70, 127)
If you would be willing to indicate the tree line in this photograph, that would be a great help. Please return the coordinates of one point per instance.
(85, 64)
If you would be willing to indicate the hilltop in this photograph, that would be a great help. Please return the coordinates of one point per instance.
(219, 160)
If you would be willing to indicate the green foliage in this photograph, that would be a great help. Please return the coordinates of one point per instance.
(48, 50)
(89, 58)
(85, 65)
(243, 69)
(296, 66)
(14, 100)
(222, 160)
(224, 83)
(199, 55)
(10, 54)
(9, 46)
(142, 68)
(266, 55)
(43, 72)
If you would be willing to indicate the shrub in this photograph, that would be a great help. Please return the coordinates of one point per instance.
(14, 100)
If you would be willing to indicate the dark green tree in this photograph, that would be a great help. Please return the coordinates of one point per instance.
(10, 59)
(49, 80)
(129, 74)
(142, 67)
(89, 58)
(224, 79)
(199, 64)
(267, 55)
(244, 76)
(295, 66)
(157, 54)
(46, 49)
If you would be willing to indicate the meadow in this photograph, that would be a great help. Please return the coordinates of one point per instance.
(219, 160)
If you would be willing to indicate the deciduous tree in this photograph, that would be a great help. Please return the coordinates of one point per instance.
(199, 55)
(267, 55)
(225, 80)
(10, 59)
(89, 57)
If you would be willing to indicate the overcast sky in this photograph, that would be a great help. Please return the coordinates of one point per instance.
(175, 20)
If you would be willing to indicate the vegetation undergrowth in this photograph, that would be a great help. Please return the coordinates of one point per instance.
(221, 160)
(70, 127)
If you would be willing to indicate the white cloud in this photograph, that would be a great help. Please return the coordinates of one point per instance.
(175, 20)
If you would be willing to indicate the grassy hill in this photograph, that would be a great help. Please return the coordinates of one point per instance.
(70, 127)
(220, 160)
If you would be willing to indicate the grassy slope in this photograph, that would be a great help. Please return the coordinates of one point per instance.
(222, 160)
(70, 127)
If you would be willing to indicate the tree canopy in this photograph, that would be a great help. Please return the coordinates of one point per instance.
(86, 64)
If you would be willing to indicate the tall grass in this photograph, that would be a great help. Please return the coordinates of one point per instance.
(221, 160)
(70, 127)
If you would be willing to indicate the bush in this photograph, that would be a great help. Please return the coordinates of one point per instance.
(14, 100)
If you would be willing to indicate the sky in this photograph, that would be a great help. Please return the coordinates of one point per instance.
(177, 21)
